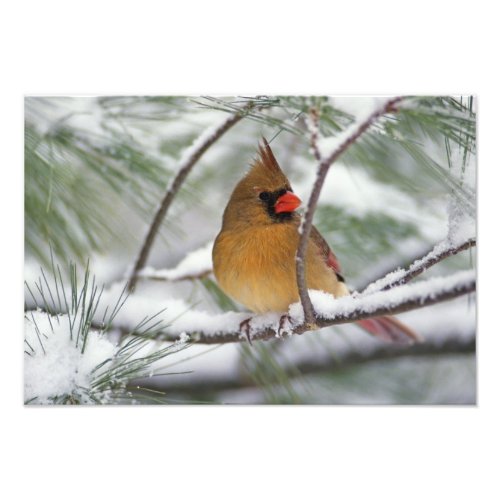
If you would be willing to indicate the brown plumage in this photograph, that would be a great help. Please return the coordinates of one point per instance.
(254, 253)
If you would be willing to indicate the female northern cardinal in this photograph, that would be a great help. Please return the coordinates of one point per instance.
(254, 253)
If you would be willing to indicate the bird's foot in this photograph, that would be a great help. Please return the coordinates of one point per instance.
(245, 328)
(311, 326)
(281, 327)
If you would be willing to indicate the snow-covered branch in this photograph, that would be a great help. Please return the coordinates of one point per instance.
(196, 265)
(189, 158)
(164, 275)
(399, 277)
(205, 328)
(335, 147)
(312, 124)
(329, 311)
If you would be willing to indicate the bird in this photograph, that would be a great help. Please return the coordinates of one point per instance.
(254, 253)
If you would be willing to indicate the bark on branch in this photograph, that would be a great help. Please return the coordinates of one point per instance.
(352, 134)
(312, 123)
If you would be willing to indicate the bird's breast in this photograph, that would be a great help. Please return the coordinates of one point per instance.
(256, 267)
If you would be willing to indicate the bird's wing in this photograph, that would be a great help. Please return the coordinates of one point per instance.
(326, 252)
(385, 328)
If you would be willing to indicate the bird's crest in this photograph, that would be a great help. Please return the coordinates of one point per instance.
(246, 203)
(266, 172)
(267, 157)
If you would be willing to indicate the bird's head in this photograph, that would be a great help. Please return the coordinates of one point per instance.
(264, 195)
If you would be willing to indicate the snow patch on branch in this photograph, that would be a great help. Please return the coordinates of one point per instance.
(386, 282)
(328, 307)
(327, 146)
(461, 225)
(447, 247)
(208, 135)
(177, 315)
(194, 264)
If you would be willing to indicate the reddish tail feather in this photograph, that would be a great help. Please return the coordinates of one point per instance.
(389, 329)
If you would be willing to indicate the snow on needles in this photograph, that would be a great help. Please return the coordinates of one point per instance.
(54, 367)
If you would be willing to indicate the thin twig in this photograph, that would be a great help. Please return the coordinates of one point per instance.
(358, 313)
(174, 187)
(305, 229)
(419, 266)
(184, 277)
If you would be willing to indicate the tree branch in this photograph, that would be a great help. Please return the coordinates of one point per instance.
(312, 124)
(330, 312)
(183, 277)
(400, 277)
(351, 309)
(350, 135)
(190, 157)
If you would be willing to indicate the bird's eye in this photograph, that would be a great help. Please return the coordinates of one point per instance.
(281, 192)
(264, 196)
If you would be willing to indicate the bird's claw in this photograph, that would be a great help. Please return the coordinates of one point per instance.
(281, 327)
(245, 328)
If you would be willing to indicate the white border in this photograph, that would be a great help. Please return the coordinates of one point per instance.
(55, 47)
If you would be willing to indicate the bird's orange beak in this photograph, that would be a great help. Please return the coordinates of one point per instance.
(287, 202)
